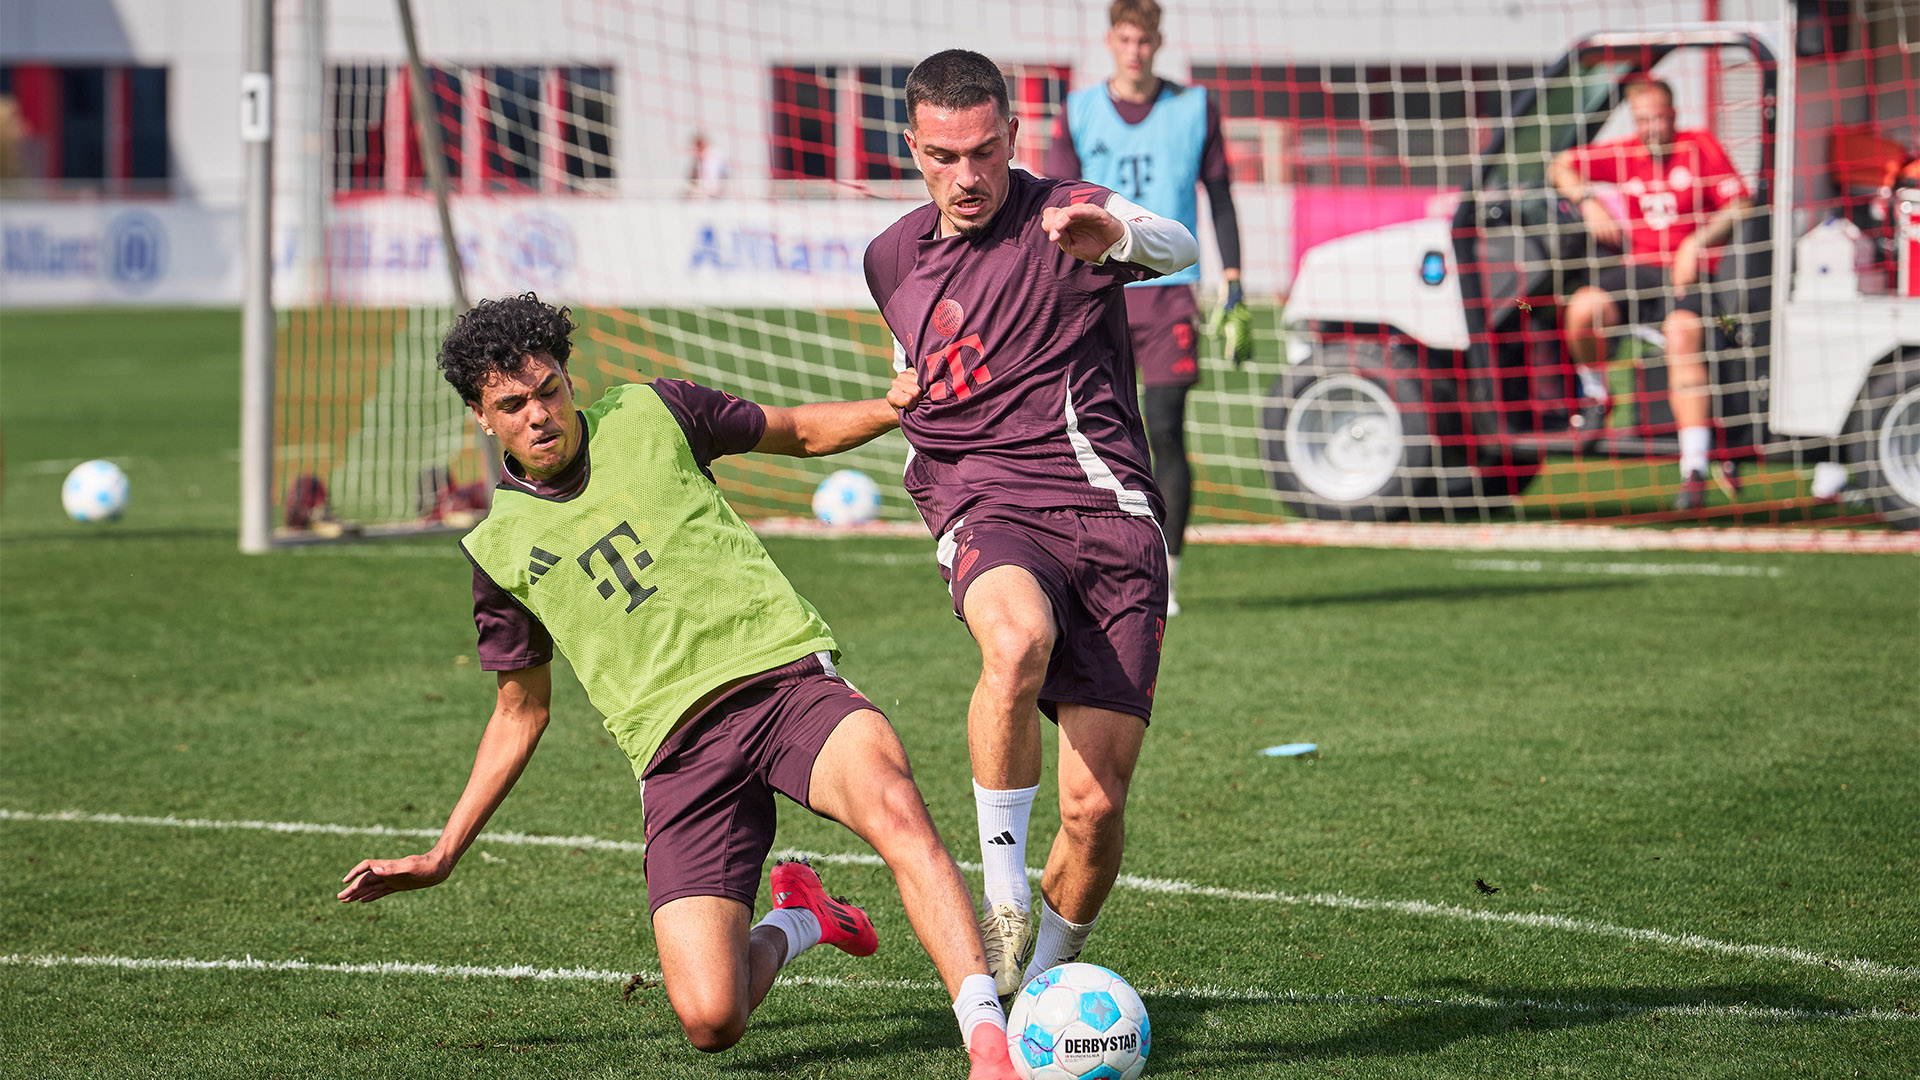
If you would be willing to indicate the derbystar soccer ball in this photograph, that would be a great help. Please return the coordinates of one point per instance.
(1078, 1021)
(94, 491)
(848, 497)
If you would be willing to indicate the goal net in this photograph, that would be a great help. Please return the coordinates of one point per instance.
(698, 181)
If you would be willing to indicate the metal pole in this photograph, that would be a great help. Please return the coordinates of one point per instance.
(256, 317)
(314, 181)
(428, 125)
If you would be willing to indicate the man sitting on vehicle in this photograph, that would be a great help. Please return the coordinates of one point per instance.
(1683, 197)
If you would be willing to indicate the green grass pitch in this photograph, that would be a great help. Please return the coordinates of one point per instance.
(1694, 780)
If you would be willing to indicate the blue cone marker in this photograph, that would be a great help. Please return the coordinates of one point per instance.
(1294, 749)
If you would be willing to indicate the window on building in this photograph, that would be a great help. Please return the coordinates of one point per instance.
(804, 144)
(357, 96)
(586, 127)
(502, 129)
(882, 151)
(845, 123)
(1037, 93)
(86, 127)
(1402, 125)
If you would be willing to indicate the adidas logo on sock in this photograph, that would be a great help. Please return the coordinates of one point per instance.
(1005, 838)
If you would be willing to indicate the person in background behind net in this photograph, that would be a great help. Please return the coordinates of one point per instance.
(609, 543)
(1155, 141)
(1683, 197)
(708, 177)
(1030, 465)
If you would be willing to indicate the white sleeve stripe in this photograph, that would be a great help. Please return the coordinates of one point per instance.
(1150, 240)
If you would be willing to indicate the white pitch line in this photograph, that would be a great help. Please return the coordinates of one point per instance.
(1190, 993)
(78, 816)
(1775, 953)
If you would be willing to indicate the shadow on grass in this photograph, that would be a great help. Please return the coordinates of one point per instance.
(1434, 592)
(909, 1033)
(1400, 1027)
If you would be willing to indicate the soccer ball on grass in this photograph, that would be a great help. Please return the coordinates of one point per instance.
(1078, 1022)
(94, 491)
(848, 497)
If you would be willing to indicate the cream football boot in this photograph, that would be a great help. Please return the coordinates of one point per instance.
(1006, 930)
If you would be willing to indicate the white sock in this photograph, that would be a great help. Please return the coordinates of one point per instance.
(801, 926)
(1173, 582)
(1829, 479)
(977, 1004)
(1695, 444)
(1592, 383)
(1002, 816)
(1057, 942)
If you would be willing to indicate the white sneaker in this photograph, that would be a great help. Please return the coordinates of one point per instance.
(1007, 933)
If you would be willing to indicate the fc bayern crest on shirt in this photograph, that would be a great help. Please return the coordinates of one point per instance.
(946, 318)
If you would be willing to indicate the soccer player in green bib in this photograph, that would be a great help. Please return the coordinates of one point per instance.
(609, 542)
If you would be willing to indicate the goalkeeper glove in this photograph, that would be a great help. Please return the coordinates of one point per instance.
(1231, 324)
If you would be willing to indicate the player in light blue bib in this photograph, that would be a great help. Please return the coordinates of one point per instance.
(1157, 142)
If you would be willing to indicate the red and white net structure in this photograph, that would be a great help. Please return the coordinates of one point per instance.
(698, 181)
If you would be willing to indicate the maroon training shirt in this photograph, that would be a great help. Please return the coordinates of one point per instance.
(715, 423)
(1024, 360)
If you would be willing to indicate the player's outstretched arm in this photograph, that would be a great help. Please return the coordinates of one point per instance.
(829, 427)
(519, 717)
(1131, 234)
(1083, 230)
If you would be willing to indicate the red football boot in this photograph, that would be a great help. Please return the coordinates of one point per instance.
(842, 925)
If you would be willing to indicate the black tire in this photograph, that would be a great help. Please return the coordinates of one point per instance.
(1883, 443)
(1342, 446)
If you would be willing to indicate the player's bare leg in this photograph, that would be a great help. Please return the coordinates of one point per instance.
(1098, 751)
(1688, 391)
(1590, 314)
(862, 780)
(1012, 621)
(716, 971)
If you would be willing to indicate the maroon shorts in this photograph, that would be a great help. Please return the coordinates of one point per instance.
(1106, 577)
(1163, 321)
(708, 793)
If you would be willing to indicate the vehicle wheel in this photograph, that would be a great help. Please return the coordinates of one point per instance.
(1883, 443)
(1342, 446)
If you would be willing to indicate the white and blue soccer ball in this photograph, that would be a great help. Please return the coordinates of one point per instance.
(1078, 1022)
(94, 491)
(848, 497)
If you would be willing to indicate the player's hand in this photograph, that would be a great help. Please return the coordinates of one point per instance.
(1686, 267)
(1083, 230)
(1231, 324)
(1601, 224)
(375, 878)
(905, 391)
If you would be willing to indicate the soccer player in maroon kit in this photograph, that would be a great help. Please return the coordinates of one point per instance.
(1029, 463)
(1683, 197)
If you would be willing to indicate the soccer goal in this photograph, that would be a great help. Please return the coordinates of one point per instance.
(698, 181)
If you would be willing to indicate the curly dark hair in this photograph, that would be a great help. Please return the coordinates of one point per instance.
(499, 336)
